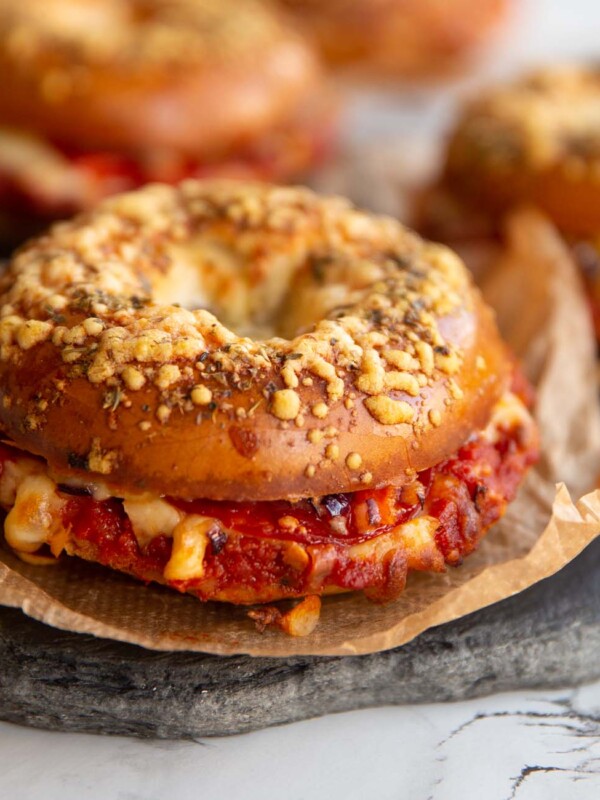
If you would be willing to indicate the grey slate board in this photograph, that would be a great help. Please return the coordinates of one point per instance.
(547, 636)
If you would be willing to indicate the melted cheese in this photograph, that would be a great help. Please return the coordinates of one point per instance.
(35, 515)
(207, 274)
(190, 539)
(150, 517)
(415, 537)
(13, 474)
(35, 518)
(509, 413)
(36, 560)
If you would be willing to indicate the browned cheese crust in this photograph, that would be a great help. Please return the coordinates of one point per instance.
(536, 140)
(196, 76)
(340, 350)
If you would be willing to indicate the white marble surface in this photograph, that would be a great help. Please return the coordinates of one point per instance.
(530, 746)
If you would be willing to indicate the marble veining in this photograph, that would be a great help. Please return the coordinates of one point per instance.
(524, 745)
(548, 746)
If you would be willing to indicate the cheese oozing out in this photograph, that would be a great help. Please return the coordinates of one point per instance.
(35, 509)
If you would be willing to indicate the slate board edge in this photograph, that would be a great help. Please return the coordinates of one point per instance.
(546, 637)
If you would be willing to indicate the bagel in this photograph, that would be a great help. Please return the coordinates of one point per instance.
(102, 96)
(536, 140)
(533, 141)
(252, 393)
(403, 37)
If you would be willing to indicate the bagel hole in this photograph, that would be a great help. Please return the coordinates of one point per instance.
(258, 299)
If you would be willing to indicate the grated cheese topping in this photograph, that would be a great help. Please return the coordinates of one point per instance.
(124, 35)
(292, 289)
(549, 118)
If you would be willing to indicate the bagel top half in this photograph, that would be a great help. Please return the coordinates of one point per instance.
(535, 140)
(240, 341)
(193, 76)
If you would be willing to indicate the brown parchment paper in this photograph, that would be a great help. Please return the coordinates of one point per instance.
(543, 313)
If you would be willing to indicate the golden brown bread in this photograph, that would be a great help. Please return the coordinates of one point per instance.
(536, 140)
(364, 354)
(195, 76)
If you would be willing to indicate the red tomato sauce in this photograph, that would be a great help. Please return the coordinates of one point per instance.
(109, 172)
(467, 493)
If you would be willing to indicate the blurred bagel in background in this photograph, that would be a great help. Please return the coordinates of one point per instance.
(101, 96)
(535, 141)
(403, 37)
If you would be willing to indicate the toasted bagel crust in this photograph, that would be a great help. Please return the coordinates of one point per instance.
(400, 36)
(536, 140)
(368, 353)
(137, 76)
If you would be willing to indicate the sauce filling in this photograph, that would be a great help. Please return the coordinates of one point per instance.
(91, 175)
(250, 551)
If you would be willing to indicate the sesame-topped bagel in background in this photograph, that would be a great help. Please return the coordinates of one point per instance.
(533, 141)
(401, 37)
(250, 393)
(102, 96)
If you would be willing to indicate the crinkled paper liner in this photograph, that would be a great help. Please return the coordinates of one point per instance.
(543, 313)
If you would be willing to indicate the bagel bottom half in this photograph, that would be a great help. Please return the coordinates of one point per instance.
(256, 552)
